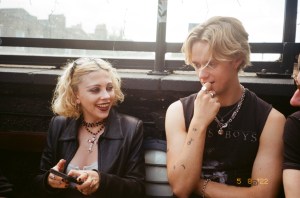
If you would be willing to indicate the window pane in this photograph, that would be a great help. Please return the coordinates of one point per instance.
(80, 19)
(298, 24)
(263, 19)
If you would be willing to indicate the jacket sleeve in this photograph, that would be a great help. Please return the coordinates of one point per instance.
(40, 183)
(132, 183)
(6, 188)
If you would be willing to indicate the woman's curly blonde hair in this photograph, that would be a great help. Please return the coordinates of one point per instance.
(64, 98)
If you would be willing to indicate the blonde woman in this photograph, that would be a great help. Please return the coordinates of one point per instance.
(89, 140)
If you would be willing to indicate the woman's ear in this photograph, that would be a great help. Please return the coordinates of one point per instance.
(77, 99)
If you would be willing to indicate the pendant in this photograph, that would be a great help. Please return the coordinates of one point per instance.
(221, 131)
(91, 142)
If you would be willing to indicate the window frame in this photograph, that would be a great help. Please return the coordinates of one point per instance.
(287, 49)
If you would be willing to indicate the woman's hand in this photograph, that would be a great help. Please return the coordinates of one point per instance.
(90, 179)
(55, 181)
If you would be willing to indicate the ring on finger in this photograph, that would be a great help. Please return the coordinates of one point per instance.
(87, 174)
(212, 94)
(203, 88)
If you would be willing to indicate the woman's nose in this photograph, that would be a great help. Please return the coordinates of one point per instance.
(104, 94)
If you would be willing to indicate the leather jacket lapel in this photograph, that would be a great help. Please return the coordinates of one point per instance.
(111, 143)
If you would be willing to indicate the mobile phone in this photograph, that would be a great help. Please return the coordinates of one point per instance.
(65, 176)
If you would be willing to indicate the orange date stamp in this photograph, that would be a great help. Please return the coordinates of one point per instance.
(253, 182)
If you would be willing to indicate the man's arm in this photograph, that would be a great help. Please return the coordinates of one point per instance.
(291, 181)
(184, 151)
(267, 167)
(185, 148)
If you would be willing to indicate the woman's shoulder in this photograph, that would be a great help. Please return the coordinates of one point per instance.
(60, 119)
(128, 119)
(60, 122)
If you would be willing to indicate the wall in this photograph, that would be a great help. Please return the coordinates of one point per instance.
(25, 107)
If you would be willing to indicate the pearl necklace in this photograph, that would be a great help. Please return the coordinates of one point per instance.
(92, 140)
(224, 125)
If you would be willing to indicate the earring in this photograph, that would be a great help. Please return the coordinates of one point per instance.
(77, 106)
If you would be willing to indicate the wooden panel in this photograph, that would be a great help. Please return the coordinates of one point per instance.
(23, 141)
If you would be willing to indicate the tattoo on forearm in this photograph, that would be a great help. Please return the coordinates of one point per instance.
(194, 129)
(183, 166)
(190, 141)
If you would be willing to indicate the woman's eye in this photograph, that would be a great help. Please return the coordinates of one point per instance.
(109, 88)
(95, 90)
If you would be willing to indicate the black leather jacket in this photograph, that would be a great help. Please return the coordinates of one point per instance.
(120, 160)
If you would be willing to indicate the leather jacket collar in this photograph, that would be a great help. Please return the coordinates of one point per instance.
(113, 129)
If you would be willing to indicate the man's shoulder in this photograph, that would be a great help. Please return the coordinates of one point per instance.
(189, 97)
(295, 115)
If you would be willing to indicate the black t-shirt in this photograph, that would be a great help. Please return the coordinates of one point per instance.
(291, 139)
(229, 158)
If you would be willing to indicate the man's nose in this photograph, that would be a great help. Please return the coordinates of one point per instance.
(203, 74)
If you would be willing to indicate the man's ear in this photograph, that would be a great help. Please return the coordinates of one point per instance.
(237, 62)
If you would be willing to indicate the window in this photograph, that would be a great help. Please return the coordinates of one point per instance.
(134, 22)
(81, 19)
(112, 20)
(263, 19)
(298, 25)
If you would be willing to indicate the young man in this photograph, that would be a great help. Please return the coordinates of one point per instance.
(223, 141)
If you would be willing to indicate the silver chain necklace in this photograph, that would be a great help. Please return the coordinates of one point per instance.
(223, 126)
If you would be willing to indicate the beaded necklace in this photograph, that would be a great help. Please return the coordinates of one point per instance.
(88, 125)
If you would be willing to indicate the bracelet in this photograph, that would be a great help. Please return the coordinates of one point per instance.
(204, 187)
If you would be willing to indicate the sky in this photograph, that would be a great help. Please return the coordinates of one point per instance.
(117, 14)
(263, 19)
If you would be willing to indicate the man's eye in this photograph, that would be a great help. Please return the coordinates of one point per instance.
(197, 66)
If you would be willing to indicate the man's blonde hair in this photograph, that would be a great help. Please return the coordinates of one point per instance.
(226, 37)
